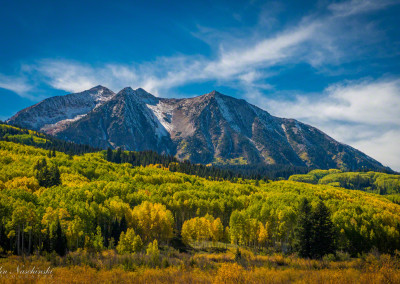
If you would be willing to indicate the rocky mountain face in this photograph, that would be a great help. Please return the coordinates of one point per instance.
(212, 128)
(56, 113)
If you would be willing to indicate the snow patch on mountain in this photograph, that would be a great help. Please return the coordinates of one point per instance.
(163, 115)
(226, 113)
(55, 112)
(60, 125)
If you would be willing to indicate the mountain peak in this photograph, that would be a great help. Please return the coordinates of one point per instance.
(98, 87)
(126, 90)
(139, 93)
(212, 128)
(141, 90)
(213, 93)
(99, 90)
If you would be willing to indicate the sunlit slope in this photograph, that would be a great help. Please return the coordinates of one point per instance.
(95, 191)
(375, 182)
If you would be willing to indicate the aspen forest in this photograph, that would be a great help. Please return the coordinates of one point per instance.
(92, 219)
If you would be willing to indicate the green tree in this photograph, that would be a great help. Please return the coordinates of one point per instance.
(109, 154)
(323, 241)
(54, 176)
(45, 176)
(98, 240)
(304, 230)
(60, 241)
(129, 242)
(153, 252)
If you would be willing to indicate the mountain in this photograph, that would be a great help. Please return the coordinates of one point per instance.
(54, 114)
(212, 128)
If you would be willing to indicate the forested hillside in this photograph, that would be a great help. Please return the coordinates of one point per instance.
(41, 140)
(144, 158)
(94, 204)
(380, 183)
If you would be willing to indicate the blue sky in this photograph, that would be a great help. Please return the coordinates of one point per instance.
(332, 64)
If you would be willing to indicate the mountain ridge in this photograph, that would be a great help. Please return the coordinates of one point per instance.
(210, 129)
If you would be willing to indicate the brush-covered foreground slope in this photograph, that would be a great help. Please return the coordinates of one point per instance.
(93, 193)
(212, 128)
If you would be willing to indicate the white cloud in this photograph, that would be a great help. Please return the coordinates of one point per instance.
(267, 52)
(364, 114)
(385, 148)
(236, 64)
(352, 7)
(18, 85)
(239, 61)
(369, 102)
(68, 76)
(242, 61)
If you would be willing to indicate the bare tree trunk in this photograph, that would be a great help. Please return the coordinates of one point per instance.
(18, 239)
(23, 226)
(30, 241)
(39, 247)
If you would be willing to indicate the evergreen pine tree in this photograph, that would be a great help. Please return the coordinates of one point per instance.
(109, 154)
(115, 232)
(123, 226)
(54, 176)
(323, 241)
(304, 230)
(42, 173)
(117, 157)
(60, 243)
(47, 242)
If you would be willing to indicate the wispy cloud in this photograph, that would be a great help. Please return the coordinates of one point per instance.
(352, 7)
(315, 40)
(16, 84)
(364, 114)
(74, 76)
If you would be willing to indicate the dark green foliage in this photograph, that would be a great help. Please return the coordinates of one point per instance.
(46, 176)
(4, 242)
(304, 230)
(117, 228)
(145, 158)
(123, 226)
(115, 231)
(118, 156)
(231, 173)
(109, 154)
(323, 238)
(272, 172)
(54, 176)
(315, 233)
(60, 241)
